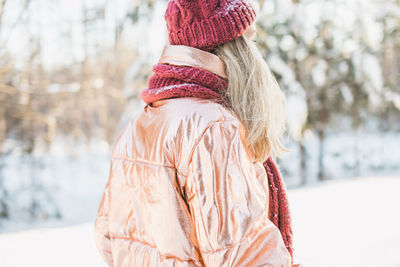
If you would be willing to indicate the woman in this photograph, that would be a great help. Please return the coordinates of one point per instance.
(187, 184)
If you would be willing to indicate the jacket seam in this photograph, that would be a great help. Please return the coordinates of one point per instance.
(187, 177)
(260, 222)
(245, 238)
(257, 225)
(201, 216)
(195, 185)
(217, 122)
(196, 145)
(142, 161)
(167, 256)
(224, 119)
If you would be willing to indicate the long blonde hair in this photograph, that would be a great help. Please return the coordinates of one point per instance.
(254, 96)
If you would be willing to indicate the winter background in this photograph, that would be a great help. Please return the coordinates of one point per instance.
(70, 75)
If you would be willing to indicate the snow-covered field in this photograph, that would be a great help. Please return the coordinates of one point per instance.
(343, 223)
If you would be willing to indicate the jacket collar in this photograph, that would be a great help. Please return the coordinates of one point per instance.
(181, 55)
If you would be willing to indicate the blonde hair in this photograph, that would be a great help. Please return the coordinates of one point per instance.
(254, 96)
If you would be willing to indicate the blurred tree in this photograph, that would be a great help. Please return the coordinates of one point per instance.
(331, 67)
(83, 100)
(320, 51)
(5, 90)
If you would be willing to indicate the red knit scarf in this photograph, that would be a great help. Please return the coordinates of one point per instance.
(169, 81)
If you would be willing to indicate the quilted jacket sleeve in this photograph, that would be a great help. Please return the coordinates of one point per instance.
(102, 237)
(227, 196)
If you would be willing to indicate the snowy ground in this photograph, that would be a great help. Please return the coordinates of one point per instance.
(341, 223)
(348, 223)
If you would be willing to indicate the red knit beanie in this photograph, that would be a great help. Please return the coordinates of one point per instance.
(205, 24)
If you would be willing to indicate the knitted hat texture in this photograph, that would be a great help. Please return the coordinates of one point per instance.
(205, 24)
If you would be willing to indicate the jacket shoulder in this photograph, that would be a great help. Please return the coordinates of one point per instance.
(189, 118)
(168, 133)
(199, 113)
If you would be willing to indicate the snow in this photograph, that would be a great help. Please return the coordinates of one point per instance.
(70, 87)
(69, 178)
(346, 93)
(347, 154)
(170, 87)
(296, 115)
(394, 97)
(66, 180)
(279, 66)
(373, 72)
(354, 28)
(69, 246)
(347, 223)
(287, 43)
(319, 73)
(154, 29)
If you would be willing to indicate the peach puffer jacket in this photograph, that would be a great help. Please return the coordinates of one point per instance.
(184, 190)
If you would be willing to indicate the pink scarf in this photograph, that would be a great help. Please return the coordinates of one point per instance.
(170, 81)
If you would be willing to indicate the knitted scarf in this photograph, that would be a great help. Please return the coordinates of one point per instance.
(170, 81)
